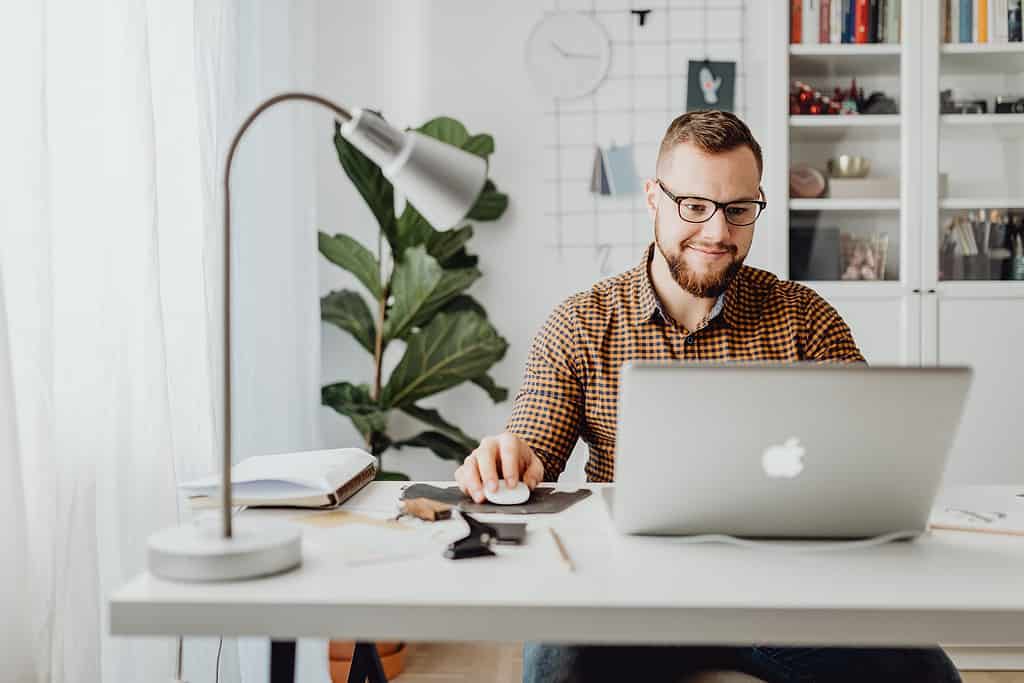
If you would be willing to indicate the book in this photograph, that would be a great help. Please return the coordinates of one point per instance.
(824, 28)
(810, 16)
(861, 9)
(795, 20)
(1013, 19)
(848, 15)
(955, 21)
(893, 19)
(998, 12)
(966, 19)
(873, 14)
(310, 479)
(981, 7)
(835, 23)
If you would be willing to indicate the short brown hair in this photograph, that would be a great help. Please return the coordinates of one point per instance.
(713, 132)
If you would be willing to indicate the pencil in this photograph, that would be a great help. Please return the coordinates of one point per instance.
(566, 560)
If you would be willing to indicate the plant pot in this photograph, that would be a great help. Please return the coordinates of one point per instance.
(339, 652)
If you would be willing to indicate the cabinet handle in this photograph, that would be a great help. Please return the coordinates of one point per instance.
(931, 291)
(916, 291)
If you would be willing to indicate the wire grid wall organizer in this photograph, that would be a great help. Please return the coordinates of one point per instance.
(645, 89)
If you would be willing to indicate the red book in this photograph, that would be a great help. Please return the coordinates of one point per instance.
(860, 21)
(823, 23)
(795, 20)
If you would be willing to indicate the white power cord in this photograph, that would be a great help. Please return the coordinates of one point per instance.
(803, 546)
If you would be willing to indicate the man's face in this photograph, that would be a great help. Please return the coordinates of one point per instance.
(703, 257)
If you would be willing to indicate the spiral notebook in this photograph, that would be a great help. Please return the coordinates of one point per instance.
(309, 479)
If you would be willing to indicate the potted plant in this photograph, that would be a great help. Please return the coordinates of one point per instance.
(421, 302)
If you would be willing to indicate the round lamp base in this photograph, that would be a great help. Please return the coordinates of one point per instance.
(199, 552)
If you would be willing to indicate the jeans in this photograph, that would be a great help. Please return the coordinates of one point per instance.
(550, 663)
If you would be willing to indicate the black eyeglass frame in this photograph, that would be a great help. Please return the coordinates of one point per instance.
(678, 200)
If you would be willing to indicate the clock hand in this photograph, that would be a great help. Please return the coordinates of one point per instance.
(571, 55)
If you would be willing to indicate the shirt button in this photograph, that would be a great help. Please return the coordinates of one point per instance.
(691, 340)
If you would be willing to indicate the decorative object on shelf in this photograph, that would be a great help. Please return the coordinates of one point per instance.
(848, 166)
(806, 100)
(806, 182)
(710, 85)
(421, 303)
(1010, 104)
(862, 257)
(981, 245)
(947, 105)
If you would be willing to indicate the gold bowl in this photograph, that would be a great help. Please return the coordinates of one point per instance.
(849, 166)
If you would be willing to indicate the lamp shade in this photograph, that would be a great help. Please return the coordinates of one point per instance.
(440, 180)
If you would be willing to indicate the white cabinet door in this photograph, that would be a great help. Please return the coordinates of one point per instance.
(884, 320)
(988, 335)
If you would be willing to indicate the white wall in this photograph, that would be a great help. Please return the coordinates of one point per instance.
(462, 58)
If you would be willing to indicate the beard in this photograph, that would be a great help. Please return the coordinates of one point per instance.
(707, 285)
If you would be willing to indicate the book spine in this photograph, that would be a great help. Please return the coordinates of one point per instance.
(1001, 20)
(860, 21)
(824, 17)
(892, 32)
(795, 23)
(835, 24)
(1013, 19)
(966, 10)
(974, 21)
(809, 31)
(945, 17)
(982, 6)
(848, 21)
(954, 19)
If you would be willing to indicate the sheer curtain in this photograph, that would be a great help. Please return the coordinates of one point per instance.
(113, 126)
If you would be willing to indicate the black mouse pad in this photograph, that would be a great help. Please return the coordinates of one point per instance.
(542, 500)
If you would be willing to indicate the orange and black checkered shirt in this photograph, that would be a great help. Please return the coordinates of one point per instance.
(571, 385)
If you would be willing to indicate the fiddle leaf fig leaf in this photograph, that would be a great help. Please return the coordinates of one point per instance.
(453, 348)
(349, 311)
(353, 401)
(346, 252)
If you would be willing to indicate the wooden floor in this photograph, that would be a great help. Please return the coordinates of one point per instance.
(503, 663)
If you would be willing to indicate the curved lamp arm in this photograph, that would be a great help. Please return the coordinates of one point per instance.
(440, 180)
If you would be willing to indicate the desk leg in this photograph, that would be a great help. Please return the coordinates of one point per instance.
(366, 665)
(282, 661)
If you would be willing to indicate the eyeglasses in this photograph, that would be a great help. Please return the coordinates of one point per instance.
(741, 213)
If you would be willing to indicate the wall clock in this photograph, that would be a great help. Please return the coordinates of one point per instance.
(567, 54)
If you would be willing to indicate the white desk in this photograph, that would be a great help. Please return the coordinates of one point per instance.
(947, 587)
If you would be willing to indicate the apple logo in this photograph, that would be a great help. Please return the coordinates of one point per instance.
(785, 461)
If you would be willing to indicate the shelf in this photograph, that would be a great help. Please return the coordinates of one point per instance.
(966, 203)
(981, 289)
(845, 60)
(832, 204)
(809, 127)
(1003, 125)
(971, 58)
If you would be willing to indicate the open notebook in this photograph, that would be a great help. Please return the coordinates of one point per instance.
(310, 479)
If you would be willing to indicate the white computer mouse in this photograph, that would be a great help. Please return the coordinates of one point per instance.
(506, 495)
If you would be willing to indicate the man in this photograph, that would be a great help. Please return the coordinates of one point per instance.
(691, 298)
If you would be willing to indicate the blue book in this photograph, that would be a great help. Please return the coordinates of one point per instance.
(966, 21)
(848, 21)
(1014, 18)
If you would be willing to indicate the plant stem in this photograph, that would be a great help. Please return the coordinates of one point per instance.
(378, 351)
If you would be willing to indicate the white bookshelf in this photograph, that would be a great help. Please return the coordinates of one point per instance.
(968, 203)
(849, 121)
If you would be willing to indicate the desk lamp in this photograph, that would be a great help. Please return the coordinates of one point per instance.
(442, 182)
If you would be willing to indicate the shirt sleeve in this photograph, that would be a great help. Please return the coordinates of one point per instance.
(548, 410)
(828, 337)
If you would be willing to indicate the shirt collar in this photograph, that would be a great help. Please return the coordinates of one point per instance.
(731, 305)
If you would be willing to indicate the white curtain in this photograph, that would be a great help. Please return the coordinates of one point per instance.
(114, 121)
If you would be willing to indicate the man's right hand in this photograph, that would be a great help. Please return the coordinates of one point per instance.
(505, 456)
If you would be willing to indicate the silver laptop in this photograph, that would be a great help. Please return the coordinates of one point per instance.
(782, 451)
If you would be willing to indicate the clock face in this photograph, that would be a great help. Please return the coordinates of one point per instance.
(567, 54)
